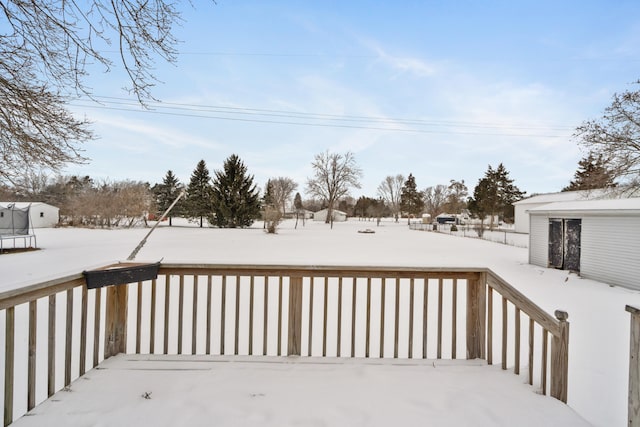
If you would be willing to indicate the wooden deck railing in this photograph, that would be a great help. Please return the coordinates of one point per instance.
(374, 312)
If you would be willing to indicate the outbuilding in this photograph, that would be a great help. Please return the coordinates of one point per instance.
(599, 239)
(338, 216)
(41, 215)
(522, 207)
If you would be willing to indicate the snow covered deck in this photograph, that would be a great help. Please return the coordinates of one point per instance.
(281, 391)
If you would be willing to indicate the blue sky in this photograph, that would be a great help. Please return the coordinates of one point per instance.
(437, 89)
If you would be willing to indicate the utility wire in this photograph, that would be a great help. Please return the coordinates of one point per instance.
(283, 117)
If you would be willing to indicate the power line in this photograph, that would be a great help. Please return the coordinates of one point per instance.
(284, 117)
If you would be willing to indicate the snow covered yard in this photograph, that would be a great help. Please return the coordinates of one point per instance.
(599, 337)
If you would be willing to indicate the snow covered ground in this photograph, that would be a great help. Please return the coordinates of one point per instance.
(599, 337)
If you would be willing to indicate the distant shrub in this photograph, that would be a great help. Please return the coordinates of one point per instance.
(453, 227)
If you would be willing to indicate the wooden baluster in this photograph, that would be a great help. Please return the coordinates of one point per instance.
(516, 366)
(294, 344)
(96, 325)
(280, 315)
(31, 370)
(68, 338)
(83, 331)
(543, 365)
(353, 316)
(223, 300)
(324, 323)
(310, 342)
(237, 316)
(194, 317)
(9, 358)
(490, 326)
(339, 339)
(440, 288)
(504, 333)
(396, 328)
(368, 329)
(411, 302)
(425, 313)
(139, 319)
(383, 286)
(180, 312)
(454, 317)
(251, 292)
(152, 318)
(209, 325)
(167, 299)
(531, 349)
(265, 315)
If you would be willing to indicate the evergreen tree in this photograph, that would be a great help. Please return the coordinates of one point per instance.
(236, 201)
(592, 173)
(270, 208)
(495, 195)
(411, 200)
(297, 204)
(199, 203)
(166, 193)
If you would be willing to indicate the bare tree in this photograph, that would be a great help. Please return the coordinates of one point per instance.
(281, 190)
(334, 175)
(390, 190)
(46, 50)
(615, 137)
(434, 199)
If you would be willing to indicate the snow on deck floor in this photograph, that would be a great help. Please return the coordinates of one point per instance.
(272, 391)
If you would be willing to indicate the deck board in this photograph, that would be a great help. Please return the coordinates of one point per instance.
(279, 391)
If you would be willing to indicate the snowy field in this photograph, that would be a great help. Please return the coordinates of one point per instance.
(599, 337)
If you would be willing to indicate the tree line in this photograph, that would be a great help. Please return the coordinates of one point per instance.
(44, 58)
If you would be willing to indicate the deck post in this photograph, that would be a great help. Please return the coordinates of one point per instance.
(115, 340)
(634, 367)
(560, 359)
(295, 317)
(476, 316)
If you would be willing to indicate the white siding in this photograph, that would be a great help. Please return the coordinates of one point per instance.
(539, 240)
(610, 250)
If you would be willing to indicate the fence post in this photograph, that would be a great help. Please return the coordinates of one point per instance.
(295, 317)
(476, 316)
(115, 339)
(560, 359)
(634, 368)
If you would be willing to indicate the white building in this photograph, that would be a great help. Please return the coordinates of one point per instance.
(600, 239)
(338, 216)
(521, 208)
(42, 215)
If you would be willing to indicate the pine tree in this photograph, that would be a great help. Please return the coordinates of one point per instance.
(495, 195)
(166, 193)
(236, 201)
(411, 200)
(199, 203)
(297, 203)
(592, 173)
(270, 208)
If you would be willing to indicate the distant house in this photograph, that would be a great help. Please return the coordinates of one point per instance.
(338, 216)
(599, 239)
(42, 215)
(521, 217)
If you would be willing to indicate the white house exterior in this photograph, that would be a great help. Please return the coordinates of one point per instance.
(338, 216)
(42, 215)
(600, 239)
